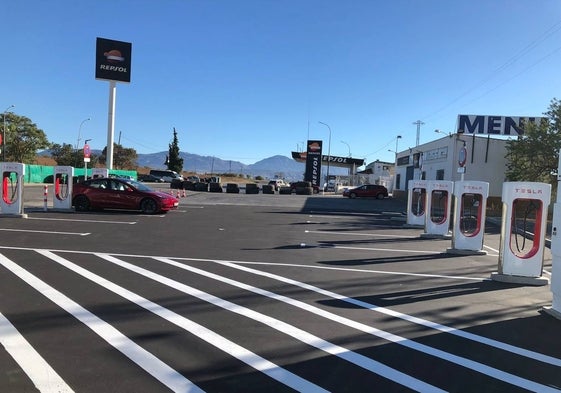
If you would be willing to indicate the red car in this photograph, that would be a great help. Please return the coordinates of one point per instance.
(367, 190)
(113, 193)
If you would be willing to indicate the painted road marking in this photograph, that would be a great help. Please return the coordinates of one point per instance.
(283, 327)
(37, 369)
(363, 234)
(269, 368)
(147, 361)
(76, 220)
(47, 232)
(464, 362)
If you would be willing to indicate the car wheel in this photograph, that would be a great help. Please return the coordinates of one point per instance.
(81, 203)
(148, 206)
(380, 196)
(352, 195)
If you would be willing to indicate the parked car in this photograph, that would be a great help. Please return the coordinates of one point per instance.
(278, 183)
(150, 179)
(298, 185)
(367, 190)
(113, 193)
(167, 175)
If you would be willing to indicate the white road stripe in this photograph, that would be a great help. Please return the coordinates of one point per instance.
(283, 327)
(45, 379)
(259, 363)
(433, 325)
(363, 234)
(76, 220)
(385, 249)
(47, 232)
(154, 366)
(464, 362)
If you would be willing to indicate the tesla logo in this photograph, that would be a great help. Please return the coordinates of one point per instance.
(114, 56)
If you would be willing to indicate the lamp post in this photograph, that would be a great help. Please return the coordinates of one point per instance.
(80, 131)
(347, 147)
(4, 134)
(351, 168)
(328, 150)
(395, 164)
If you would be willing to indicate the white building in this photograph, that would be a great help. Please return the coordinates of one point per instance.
(485, 161)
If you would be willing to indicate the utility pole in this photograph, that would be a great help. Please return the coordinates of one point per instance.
(419, 123)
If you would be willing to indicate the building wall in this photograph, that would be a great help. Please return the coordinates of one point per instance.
(485, 161)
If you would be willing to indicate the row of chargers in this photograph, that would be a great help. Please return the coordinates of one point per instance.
(13, 175)
(523, 222)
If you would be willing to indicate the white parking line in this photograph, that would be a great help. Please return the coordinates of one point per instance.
(46, 232)
(259, 363)
(362, 234)
(37, 369)
(77, 220)
(144, 359)
(465, 362)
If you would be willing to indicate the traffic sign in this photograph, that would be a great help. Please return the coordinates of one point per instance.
(87, 151)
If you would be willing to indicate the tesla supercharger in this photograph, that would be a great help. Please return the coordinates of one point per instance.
(524, 212)
(62, 195)
(555, 286)
(439, 204)
(100, 172)
(11, 202)
(416, 203)
(468, 228)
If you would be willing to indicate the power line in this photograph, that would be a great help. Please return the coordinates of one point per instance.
(528, 48)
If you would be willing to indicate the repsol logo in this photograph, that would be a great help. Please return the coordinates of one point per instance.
(315, 171)
(338, 160)
(112, 68)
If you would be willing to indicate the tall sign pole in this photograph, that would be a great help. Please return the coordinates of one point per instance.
(112, 63)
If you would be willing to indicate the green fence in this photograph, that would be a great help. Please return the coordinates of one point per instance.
(44, 174)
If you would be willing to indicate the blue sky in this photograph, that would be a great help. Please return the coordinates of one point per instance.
(248, 79)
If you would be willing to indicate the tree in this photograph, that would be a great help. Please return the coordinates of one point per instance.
(67, 155)
(123, 157)
(534, 155)
(22, 138)
(174, 161)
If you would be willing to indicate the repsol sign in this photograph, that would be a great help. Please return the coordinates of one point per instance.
(113, 60)
(313, 163)
(497, 125)
(337, 160)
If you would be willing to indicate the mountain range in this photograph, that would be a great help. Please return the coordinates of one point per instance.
(272, 167)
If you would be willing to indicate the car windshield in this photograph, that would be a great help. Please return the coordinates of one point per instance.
(139, 186)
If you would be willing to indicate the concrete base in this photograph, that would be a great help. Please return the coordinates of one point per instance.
(433, 236)
(457, 251)
(534, 281)
(23, 215)
(552, 312)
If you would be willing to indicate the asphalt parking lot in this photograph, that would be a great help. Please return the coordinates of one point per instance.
(246, 293)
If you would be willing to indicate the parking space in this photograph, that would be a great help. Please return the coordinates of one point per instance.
(268, 292)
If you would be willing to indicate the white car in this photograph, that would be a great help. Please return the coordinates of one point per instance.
(278, 183)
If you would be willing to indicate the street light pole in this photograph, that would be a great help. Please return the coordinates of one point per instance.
(328, 150)
(395, 164)
(347, 147)
(351, 168)
(4, 134)
(80, 132)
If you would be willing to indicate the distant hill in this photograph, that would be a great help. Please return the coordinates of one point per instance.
(272, 167)
(276, 166)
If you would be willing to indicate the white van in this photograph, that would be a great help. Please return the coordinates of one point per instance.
(167, 175)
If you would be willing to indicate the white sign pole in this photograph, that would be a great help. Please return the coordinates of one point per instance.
(111, 124)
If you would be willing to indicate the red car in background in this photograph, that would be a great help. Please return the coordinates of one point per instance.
(367, 190)
(114, 193)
